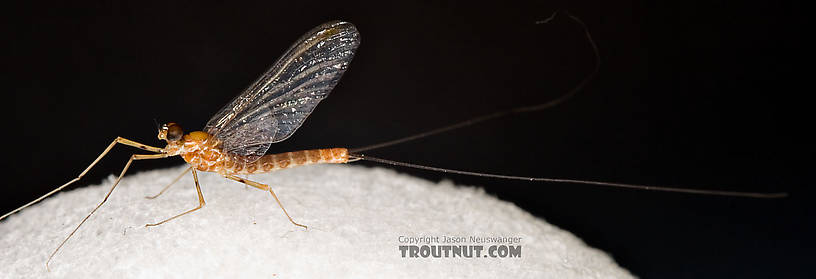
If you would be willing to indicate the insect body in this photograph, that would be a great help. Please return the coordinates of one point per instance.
(203, 153)
(271, 109)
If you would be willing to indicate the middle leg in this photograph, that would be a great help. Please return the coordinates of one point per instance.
(200, 202)
(127, 165)
(171, 184)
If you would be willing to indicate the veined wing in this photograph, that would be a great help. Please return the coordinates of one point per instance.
(277, 103)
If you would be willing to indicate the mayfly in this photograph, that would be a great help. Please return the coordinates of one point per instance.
(271, 109)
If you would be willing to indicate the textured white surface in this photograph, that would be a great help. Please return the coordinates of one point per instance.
(355, 217)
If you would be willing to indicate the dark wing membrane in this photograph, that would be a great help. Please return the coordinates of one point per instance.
(278, 102)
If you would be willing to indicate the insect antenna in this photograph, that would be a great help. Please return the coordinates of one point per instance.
(357, 157)
(158, 127)
(512, 111)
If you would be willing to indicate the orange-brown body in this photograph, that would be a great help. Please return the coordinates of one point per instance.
(202, 151)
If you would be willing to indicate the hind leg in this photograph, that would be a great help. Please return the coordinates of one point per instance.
(265, 188)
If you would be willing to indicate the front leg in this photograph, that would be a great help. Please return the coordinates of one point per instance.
(119, 140)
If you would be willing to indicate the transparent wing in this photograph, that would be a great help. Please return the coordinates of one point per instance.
(277, 103)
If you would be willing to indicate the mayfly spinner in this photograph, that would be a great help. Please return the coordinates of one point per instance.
(235, 139)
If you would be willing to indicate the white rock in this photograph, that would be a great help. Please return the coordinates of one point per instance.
(355, 215)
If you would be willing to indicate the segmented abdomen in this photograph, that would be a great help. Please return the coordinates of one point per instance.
(279, 161)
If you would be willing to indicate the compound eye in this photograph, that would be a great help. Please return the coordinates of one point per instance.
(174, 132)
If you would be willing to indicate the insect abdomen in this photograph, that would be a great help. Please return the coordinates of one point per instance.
(279, 161)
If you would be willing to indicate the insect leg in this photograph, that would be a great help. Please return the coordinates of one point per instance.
(265, 188)
(133, 157)
(138, 145)
(171, 184)
(120, 140)
(200, 202)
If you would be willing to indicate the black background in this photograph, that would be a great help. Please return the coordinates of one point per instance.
(697, 95)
